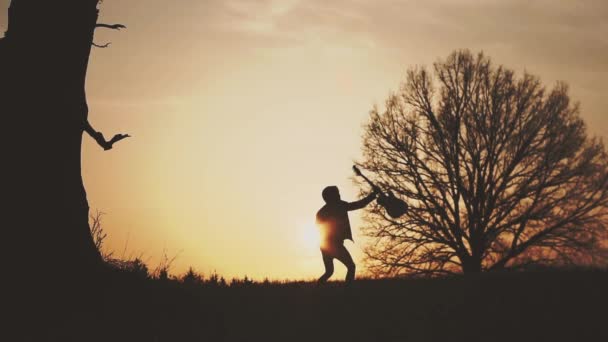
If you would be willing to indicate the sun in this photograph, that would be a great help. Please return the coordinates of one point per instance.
(309, 236)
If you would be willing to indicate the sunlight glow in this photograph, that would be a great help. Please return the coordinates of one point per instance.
(309, 236)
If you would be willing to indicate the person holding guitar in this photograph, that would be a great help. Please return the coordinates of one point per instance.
(333, 221)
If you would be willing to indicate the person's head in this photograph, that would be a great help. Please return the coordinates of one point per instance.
(331, 194)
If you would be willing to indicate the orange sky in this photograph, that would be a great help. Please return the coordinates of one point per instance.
(242, 111)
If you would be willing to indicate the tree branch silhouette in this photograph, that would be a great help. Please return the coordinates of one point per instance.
(100, 139)
(117, 27)
(499, 173)
(102, 46)
(111, 26)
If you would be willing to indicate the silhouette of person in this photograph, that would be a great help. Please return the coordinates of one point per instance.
(333, 221)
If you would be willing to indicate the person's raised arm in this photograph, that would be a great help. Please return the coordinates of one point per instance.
(362, 203)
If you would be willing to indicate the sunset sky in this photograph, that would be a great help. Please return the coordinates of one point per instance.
(242, 111)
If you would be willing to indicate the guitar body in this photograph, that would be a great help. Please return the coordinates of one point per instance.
(394, 206)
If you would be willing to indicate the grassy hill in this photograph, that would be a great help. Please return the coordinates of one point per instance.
(533, 306)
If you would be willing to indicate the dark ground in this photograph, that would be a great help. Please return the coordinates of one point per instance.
(536, 306)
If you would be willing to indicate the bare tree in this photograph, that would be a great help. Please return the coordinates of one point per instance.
(498, 172)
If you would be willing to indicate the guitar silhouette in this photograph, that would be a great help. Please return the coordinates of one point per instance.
(394, 206)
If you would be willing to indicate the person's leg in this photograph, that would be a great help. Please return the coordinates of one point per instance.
(343, 255)
(328, 261)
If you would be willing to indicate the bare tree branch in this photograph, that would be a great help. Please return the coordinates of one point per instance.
(103, 46)
(112, 26)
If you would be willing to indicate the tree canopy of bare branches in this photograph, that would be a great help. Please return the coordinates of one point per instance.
(498, 172)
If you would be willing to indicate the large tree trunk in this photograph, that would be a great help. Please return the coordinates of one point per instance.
(43, 64)
(471, 265)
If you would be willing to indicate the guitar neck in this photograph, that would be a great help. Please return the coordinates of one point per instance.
(368, 181)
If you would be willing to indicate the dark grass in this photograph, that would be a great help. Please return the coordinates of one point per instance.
(531, 306)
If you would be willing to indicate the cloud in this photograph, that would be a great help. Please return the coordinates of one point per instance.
(562, 39)
(566, 33)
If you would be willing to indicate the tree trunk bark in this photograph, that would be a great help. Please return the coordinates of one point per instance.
(471, 264)
(43, 64)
